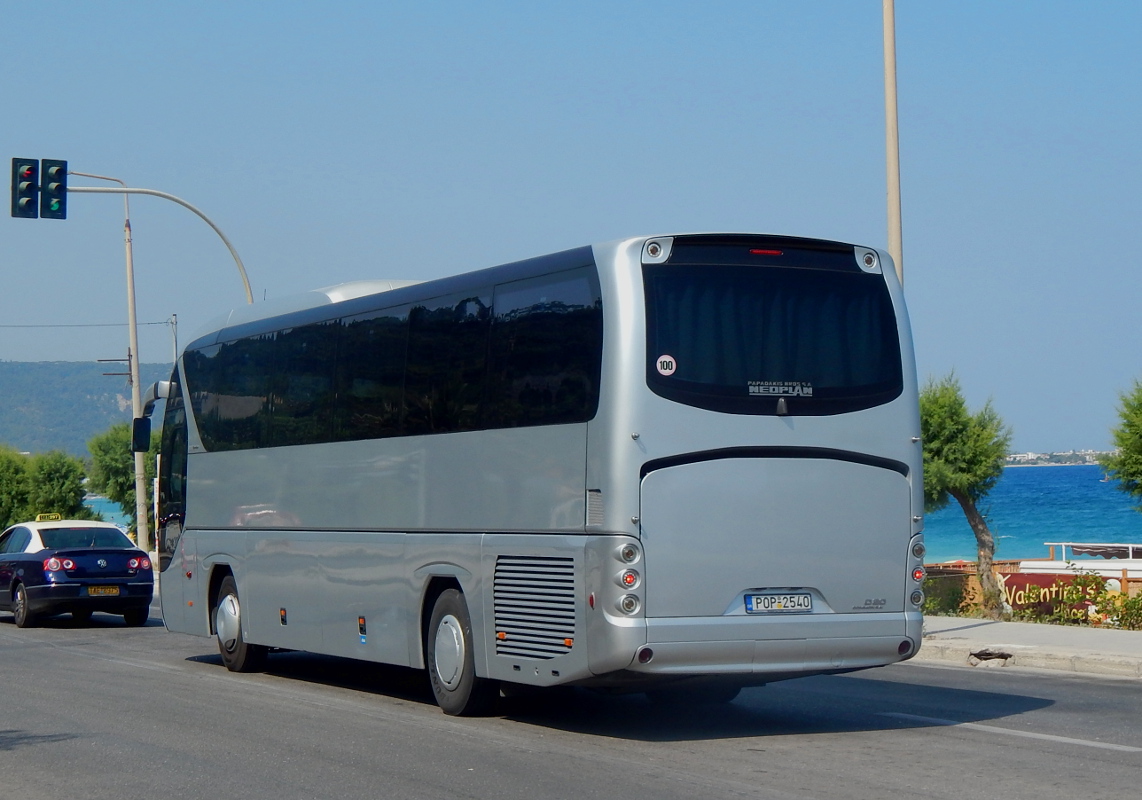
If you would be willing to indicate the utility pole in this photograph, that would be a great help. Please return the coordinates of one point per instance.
(892, 141)
(174, 338)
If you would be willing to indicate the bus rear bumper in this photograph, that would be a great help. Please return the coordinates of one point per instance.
(777, 647)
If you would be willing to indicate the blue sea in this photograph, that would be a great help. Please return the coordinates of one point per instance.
(110, 511)
(1033, 505)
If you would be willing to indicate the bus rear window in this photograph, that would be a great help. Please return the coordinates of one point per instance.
(770, 340)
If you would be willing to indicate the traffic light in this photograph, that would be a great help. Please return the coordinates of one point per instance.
(53, 193)
(25, 187)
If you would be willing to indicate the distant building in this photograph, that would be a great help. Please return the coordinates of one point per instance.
(1054, 459)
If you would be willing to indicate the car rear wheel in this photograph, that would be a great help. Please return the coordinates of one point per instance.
(136, 617)
(237, 654)
(451, 664)
(20, 612)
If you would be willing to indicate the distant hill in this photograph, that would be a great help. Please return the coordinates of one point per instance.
(59, 405)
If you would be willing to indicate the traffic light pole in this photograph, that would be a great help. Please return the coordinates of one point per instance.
(142, 529)
(181, 202)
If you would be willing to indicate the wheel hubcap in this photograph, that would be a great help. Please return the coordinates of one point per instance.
(228, 622)
(449, 652)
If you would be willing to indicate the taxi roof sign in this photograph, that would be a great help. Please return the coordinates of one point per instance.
(48, 517)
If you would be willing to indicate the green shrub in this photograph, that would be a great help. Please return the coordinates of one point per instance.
(945, 595)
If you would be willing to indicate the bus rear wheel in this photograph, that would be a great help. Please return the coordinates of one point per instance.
(451, 664)
(237, 654)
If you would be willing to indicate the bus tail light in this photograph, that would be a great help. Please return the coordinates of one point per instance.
(628, 553)
(628, 579)
(917, 597)
(918, 574)
(629, 604)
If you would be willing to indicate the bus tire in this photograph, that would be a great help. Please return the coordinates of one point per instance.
(237, 654)
(21, 614)
(451, 664)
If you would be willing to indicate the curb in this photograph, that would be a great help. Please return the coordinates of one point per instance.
(959, 651)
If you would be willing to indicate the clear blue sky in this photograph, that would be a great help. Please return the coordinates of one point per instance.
(342, 141)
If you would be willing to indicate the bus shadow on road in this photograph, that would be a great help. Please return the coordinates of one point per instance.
(344, 673)
(805, 706)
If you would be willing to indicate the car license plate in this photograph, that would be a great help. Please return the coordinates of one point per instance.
(103, 591)
(766, 603)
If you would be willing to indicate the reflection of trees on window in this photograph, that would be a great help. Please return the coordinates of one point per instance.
(546, 348)
(447, 353)
(370, 374)
(230, 391)
(303, 384)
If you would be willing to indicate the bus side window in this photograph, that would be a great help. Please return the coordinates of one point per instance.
(546, 351)
(230, 386)
(303, 384)
(447, 360)
(370, 375)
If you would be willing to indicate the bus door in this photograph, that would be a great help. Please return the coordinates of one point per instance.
(177, 560)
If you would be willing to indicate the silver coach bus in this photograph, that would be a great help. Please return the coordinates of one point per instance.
(677, 464)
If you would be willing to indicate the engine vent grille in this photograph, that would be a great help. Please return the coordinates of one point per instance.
(534, 606)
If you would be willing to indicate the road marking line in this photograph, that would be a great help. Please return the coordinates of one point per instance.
(1025, 734)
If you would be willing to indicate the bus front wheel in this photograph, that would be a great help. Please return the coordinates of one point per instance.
(451, 664)
(237, 654)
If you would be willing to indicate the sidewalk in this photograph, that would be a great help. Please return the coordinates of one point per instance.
(981, 643)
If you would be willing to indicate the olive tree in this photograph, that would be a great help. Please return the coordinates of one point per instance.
(964, 454)
(1124, 465)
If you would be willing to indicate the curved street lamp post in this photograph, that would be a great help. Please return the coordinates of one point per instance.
(142, 528)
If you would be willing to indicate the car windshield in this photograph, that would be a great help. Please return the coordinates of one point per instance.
(63, 538)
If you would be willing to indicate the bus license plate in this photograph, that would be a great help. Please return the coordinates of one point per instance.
(103, 591)
(765, 603)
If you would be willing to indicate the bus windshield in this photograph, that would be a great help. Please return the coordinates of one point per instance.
(813, 338)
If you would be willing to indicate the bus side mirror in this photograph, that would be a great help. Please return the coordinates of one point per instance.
(140, 435)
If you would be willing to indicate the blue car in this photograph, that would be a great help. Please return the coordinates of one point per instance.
(56, 566)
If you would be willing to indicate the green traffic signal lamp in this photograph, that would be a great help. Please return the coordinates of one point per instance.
(25, 187)
(53, 193)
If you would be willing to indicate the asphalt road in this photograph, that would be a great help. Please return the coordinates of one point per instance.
(112, 712)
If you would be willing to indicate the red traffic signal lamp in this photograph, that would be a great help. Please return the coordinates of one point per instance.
(25, 187)
(53, 192)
